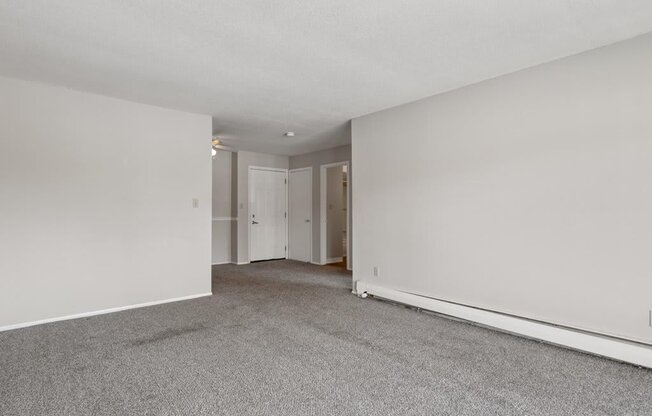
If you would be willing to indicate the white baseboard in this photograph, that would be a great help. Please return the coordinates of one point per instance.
(241, 263)
(621, 350)
(100, 312)
(334, 260)
(217, 264)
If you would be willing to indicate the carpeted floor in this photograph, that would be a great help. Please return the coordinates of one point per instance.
(286, 338)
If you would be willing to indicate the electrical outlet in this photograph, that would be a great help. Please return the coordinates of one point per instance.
(376, 271)
(195, 202)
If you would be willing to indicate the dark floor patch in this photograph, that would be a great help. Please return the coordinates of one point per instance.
(166, 335)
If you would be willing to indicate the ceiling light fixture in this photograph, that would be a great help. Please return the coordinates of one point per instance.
(215, 142)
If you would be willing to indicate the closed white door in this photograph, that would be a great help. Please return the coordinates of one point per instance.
(300, 214)
(268, 211)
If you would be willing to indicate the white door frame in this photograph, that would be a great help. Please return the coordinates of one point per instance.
(322, 211)
(290, 213)
(249, 219)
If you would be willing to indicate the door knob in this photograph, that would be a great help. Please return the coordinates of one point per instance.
(254, 222)
(307, 220)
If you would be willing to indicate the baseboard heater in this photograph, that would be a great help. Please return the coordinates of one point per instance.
(618, 349)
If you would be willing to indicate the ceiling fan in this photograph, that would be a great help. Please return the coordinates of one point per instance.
(216, 143)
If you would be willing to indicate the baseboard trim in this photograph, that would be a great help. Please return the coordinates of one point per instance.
(217, 264)
(100, 312)
(241, 263)
(334, 260)
(614, 348)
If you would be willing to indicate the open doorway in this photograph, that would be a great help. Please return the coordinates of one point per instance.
(335, 207)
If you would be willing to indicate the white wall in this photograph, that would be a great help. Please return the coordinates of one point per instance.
(335, 212)
(222, 204)
(315, 160)
(96, 203)
(244, 161)
(529, 194)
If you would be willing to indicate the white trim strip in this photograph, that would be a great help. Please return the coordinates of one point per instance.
(621, 350)
(300, 169)
(334, 260)
(100, 312)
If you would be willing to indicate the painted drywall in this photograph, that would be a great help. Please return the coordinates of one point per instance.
(528, 194)
(335, 212)
(245, 160)
(266, 67)
(315, 160)
(222, 205)
(96, 203)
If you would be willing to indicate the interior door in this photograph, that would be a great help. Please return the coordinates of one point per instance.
(268, 211)
(300, 224)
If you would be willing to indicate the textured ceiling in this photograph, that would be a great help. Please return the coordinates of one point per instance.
(261, 68)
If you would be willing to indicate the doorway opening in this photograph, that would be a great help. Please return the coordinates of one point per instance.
(335, 214)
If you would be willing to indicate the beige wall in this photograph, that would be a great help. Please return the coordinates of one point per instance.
(528, 194)
(96, 203)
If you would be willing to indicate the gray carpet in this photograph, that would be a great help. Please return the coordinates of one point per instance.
(285, 338)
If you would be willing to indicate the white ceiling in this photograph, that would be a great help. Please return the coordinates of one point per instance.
(261, 68)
